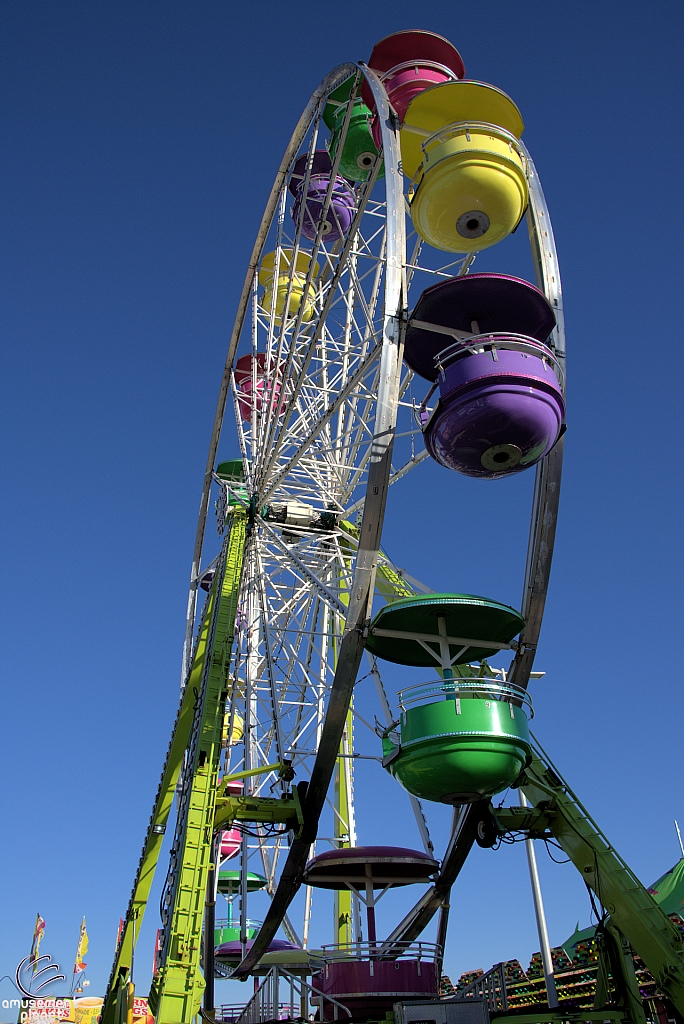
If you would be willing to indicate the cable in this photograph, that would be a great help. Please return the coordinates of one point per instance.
(266, 833)
(550, 842)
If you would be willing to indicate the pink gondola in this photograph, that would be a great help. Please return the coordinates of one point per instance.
(409, 62)
(265, 386)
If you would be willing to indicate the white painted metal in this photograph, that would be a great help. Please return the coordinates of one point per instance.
(310, 442)
(319, 448)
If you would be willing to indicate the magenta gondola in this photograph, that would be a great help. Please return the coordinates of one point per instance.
(266, 385)
(409, 62)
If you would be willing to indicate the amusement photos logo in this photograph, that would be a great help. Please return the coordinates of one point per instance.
(30, 984)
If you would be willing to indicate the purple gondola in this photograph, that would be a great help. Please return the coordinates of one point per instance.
(482, 339)
(340, 212)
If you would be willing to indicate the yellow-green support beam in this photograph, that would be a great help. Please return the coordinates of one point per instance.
(284, 810)
(178, 984)
(344, 809)
(115, 1004)
(633, 911)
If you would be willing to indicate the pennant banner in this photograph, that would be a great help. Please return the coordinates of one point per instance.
(37, 939)
(79, 964)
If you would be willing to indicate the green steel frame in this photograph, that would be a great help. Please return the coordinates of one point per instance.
(632, 918)
(178, 984)
(635, 919)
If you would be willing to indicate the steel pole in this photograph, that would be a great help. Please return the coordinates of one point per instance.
(547, 961)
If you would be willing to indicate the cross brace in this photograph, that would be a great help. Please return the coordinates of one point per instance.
(285, 810)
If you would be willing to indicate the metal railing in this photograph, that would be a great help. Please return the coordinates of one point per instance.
(429, 952)
(491, 987)
(266, 1005)
(477, 343)
(227, 922)
(228, 1012)
(431, 65)
(469, 688)
(478, 128)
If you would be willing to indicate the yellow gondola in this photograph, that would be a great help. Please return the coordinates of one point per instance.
(236, 732)
(278, 284)
(459, 144)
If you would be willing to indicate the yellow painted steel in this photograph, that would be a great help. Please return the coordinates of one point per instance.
(388, 581)
(441, 105)
(115, 1004)
(275, 280)
(468, 176)
(130, 1003)
(342, 827)
(225, 780)
(285, 810)
(178, 983)
(343, 796)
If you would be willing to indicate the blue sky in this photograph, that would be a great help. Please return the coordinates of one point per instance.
(141, 139)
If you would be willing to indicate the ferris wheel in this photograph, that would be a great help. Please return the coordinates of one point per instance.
(321, 395)
(365, 342)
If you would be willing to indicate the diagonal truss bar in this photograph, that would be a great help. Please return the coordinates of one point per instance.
(315, 338)
(421, 914)
(325, 592)
(323, 421)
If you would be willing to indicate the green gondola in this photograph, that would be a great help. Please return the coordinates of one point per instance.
(359, 150)
(463, 737)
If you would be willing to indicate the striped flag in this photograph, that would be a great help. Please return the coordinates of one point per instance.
(37, 938)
